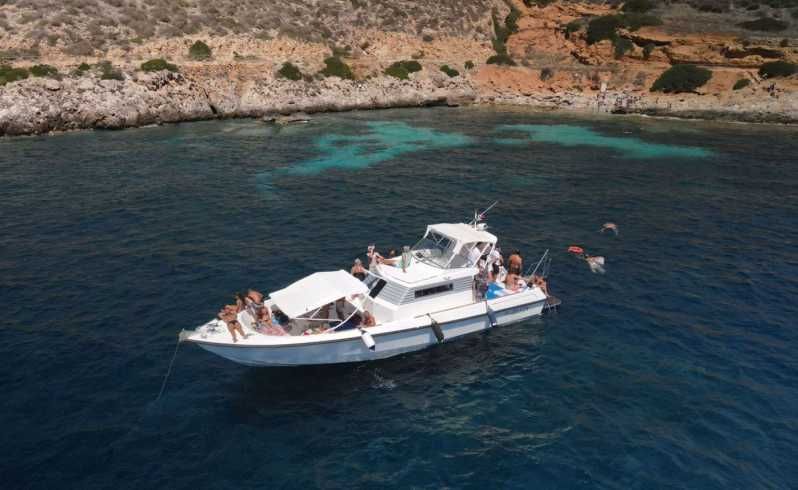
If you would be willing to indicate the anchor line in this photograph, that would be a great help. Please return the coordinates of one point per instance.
(169, 370)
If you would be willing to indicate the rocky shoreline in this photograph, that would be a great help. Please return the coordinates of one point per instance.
(39, 105)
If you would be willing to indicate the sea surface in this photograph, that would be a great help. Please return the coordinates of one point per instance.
(677, 368)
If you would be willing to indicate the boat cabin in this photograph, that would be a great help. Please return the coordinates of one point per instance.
(440, 274)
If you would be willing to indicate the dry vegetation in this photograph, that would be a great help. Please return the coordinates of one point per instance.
(81, 27)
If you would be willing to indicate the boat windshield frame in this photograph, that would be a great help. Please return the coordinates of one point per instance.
(452, 253)
(435, 241)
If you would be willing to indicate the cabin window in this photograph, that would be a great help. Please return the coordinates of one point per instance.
(377, 288)
(434, 290)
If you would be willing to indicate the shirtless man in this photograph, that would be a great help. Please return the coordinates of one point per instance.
(515, 262)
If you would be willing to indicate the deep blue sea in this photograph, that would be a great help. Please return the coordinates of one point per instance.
(678, 368)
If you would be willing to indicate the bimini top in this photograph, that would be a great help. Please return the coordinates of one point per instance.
(463, 233)
(315, 291)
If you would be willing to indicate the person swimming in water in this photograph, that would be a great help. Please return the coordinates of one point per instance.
(609, 226)
(596, 263)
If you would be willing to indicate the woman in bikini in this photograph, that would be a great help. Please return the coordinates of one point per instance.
(229, 315)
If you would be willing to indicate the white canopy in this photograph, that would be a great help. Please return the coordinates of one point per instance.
(315, 291)
(462, 232)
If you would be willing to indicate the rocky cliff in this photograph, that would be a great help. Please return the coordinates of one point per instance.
(550, 52)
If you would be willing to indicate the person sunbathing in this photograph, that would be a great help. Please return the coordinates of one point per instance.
(266, 325)
(368, 320)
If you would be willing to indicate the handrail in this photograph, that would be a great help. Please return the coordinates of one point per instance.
(538, 264)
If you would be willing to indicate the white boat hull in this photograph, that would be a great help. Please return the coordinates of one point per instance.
(395, 338)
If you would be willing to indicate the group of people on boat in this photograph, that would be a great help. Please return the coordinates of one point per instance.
(497, 280)
(265, 320)
(337, 316)
(494, 275)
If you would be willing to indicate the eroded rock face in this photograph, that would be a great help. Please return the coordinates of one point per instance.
(32, 106)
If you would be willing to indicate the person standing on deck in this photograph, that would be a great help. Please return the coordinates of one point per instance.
(516, 262)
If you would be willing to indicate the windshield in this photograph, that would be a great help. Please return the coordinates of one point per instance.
(434, 249)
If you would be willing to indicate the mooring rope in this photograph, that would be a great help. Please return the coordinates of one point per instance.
(169, 370)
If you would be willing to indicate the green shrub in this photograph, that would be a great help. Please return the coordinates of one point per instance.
(469, 65)
(647, 50)
(635, 21)
(411, 66)
(81, 69)
(511, 21)
(546, 74)
(681, 78)
(427, 38)
(158, 64)
(601, 28)
(199, 51)
(501, 33)
(402, 69)
(396, 70)
(10, 74)
(500, 59)
(572, 27)
(766, 24)
(450, 71)
(741, 84)
(638, 6)
(622, 46)
(785, 43)
(605, 27)
(775, 69)
(539, 3)
(289, 71)
(43, 71)
(108, 72)
(334, 67)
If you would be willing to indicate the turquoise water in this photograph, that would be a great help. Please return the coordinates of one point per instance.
(570, 135)
(675, 369)
(381, 141)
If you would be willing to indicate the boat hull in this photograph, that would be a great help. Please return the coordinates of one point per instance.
(390, 340)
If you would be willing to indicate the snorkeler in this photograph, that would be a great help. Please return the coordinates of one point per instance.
(596, 263)
(609, 226)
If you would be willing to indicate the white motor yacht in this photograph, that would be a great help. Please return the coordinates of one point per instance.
(434, 292)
